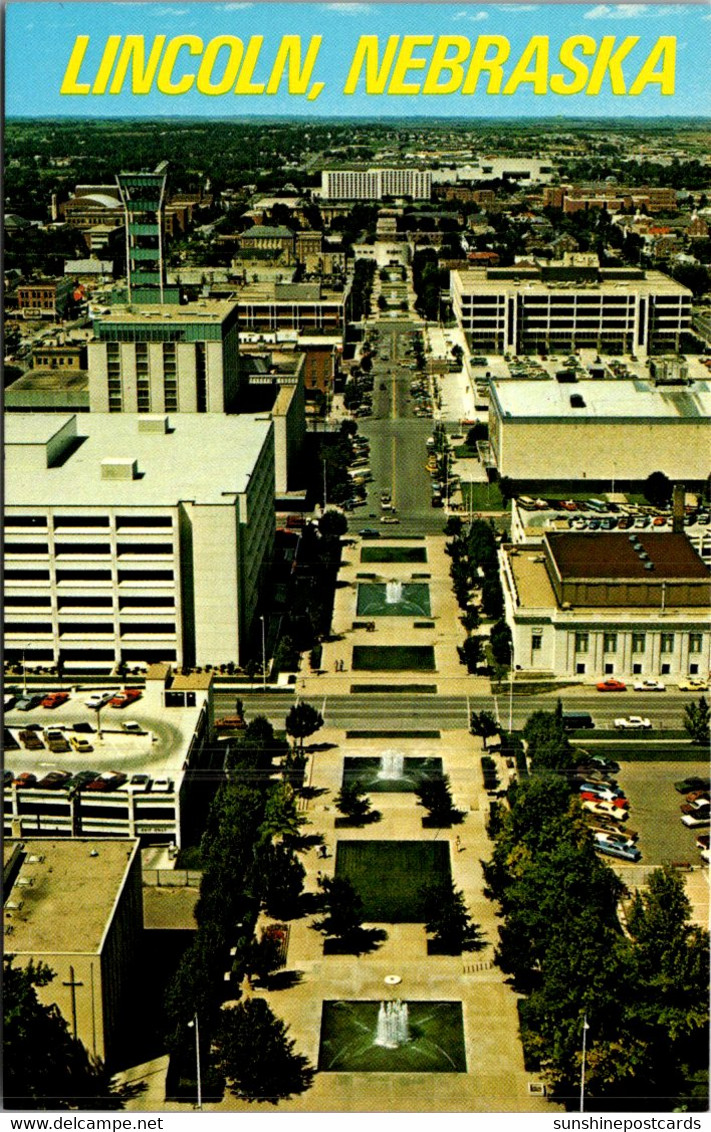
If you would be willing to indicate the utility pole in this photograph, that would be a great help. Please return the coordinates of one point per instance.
(264, 655)
(582, 1068)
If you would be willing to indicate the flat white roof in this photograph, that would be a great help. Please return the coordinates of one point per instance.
(206, 458)
(609, 400)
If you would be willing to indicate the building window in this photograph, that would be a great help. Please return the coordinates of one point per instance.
(667, 642)
(609, 669)
(636, 669)
(638, 642)
(609, 642)
(580, 669)
(695, 642)
(666, 669)
(582, 641)
(536, 641)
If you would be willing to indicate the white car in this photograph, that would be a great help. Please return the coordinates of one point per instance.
(132, 727)
(650, 686)
(98, 699)
(606, 808)
(633, 723)
(162, 785)
(603, 838)
(697, 819)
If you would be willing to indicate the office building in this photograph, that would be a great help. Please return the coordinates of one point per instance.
(568, 305)
(135, 538)
(599, 432)
(163, 358)
(76, 905)
(595, 605)
(307, 308)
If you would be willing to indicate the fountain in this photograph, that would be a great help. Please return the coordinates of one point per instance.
(393, 1027)
(393, 593)
(392, 765)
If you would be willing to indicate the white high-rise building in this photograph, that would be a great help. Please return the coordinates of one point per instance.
(374, 184)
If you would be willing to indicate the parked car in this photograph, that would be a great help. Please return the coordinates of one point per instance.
(611, 686)
(230, 723)
(109, 780)
(684, 785)
(650, 686)
(633, 723)
(592, 796)
(697, 819)
(55, 780)
(622, 852)
(693, 684)
(98, 699)
(140, 781)
(26, 703)
(613, 837)
(617, 813)
(123, 699)
(82, 780)
(54, 699)
(608, 793)
(132, 728)
(25, 780)
(83, 746)
(162, 785)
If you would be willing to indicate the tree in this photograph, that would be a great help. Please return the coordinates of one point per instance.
(281, 817)
(500, 640)
(257, 1057)
(265, 954)
(453, 526)
(303, 720)
(658, 489)
(492, 598)
(282, 880)
(333, 523)
(343, 908)
(470, 619)
(470, 653)
(44, 1066)
(483, 724)
(436, 797)
(447, 919)
(353, 802)
(548, 745)
(697, 717)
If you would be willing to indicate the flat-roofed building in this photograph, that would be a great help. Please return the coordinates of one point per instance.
(44, 298)
(599, 432)
(155, 358)
(568, 305)
(167, 754)
(307, 308)
(374, 184)
(595, 604)
(135, 538)
(76, 905)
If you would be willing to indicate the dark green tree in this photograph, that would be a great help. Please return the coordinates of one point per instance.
(500, 641)
(282, 880)
(44, 1067)
(658, 489)
(303, 720)
(256, 1055)
(353, 802)
(696, 721)
(492, 598)
(483, 724)
(436, 797)
(342, 906)
(548, 746)
(333, 523)
(265, 955)
(448, 921)
(470, 653)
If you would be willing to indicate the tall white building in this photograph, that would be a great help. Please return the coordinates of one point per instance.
(135, 538)
(155, 358)
(374, 184)
(569, 305)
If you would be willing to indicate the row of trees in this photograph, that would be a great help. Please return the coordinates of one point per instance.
(475, 579)
(643, 992)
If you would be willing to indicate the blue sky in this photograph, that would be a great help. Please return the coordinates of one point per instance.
(40, 37)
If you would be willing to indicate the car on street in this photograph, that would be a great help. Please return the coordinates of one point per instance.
(126, 697)
(98, 700)
(650, 686)
(693, 684)
(611, 686)
(633, 723)
(26, 703)
(54, 699)
(369, 532)
(391, 519)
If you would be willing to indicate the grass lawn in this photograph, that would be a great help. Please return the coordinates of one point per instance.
(389, 875)
(393, 554)
(393, 658)
(435, 1045)
(484, 497)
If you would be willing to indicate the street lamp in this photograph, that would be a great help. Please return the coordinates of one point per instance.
(582, 1068)
(24, 672)
(511, 684)
(196, 1025)
(264, 655)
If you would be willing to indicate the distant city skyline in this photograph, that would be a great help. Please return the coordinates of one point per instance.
(40, 38)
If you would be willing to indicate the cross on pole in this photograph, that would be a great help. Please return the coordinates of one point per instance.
(73, 984)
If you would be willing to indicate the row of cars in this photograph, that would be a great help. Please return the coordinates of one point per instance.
(90, 780)
(696, 807)
(52, 700)
(359, 473)
(606, 808)
(690, 684)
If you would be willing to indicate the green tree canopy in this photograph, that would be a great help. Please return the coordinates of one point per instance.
(448, 921)
(342, 906)
(303, 720)
(696, 721)
(256, 1055)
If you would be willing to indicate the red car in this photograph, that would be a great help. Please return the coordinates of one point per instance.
(611, 686)
(54, 699)
(621, 803)
(123, 699)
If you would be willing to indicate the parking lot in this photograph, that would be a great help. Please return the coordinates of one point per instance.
(655, 813)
